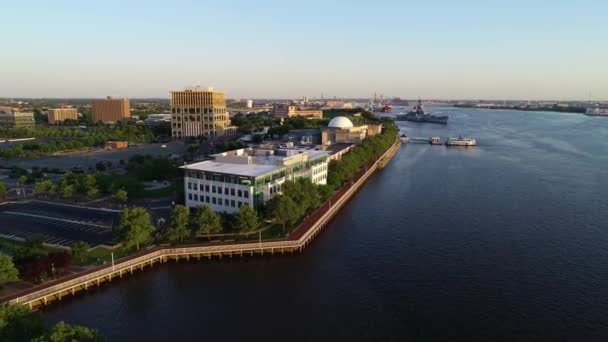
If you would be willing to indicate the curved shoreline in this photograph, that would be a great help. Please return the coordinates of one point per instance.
(296, 242)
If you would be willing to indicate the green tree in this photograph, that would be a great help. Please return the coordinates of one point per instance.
(54, 189)
(247, 219)
(180, 219)
(23, 180)
(284, 210)
(8, 272)
(89, 185)
(92, 192)
(18, 323)
(43, 186)
(134, 228)
(32, 247)
(63, 332)
(80, 250)
(2, 190)
(207, 221)
(120, 195)
(67, 191)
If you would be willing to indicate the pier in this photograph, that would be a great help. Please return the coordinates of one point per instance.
(295, 243)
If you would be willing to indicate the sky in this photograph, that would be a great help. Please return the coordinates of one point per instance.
(465, 49)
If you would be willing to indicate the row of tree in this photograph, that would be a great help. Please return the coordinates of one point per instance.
(82, 184)
(135, 228)
(373, 147)
(297, 199)
(55, 139)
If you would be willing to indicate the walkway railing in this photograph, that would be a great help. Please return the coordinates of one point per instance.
(299, 238)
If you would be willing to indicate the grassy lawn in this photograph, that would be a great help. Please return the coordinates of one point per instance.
(175, 188)
(100, 255)
(276, 232)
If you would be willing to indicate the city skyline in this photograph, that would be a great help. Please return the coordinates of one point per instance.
(542, 50)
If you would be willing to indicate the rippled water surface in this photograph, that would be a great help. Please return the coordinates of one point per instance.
(504, 241)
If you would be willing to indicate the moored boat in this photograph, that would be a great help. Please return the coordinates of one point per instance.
(597, 111)
(460, 141)
(417, 114)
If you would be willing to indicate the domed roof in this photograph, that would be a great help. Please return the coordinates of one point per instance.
(340, 122)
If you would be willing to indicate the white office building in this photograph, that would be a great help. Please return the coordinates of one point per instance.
(249, 176)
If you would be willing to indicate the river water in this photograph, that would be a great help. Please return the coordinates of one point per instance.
(505, 241)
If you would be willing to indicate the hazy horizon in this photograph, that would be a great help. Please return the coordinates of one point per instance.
(476, 50)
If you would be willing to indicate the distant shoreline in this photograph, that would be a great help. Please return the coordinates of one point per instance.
(574, 110)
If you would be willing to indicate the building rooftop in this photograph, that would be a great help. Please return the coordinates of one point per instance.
(340, 122)
(248, 170)
(253, 162)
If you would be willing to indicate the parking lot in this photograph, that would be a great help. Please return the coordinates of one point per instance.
(59, 224)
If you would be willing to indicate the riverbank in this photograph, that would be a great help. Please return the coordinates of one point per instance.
(297, 240)
(575, 110)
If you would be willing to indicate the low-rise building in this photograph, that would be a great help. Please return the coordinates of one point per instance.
(56, 115)
(249, 176)
(304, 136)
(280, 110)
(13, 118)
(116, 145)
(157, 120)
(338, 104)
(341, 130)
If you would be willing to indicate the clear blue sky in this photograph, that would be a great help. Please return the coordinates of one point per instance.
(534, 49)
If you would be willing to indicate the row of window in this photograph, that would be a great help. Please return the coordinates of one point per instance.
(205, 126)
(216, 201)
(218, 190)
(220, 178)
(198, 110)
(320, 170)
(318, 179)
(275, 189)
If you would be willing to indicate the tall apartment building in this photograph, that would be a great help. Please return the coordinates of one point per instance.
(110, 110)
(287, 111)
(249, 176)
(197, 112)
(56, 115)
(13, 118)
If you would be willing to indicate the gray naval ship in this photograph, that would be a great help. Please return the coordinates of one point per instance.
(417, 114)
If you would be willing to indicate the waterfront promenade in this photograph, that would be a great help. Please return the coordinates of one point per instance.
(299, 239)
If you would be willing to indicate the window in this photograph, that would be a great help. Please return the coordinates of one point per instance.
(207, 199)
(225, 191)
(240, 204)
(213, 188)
(232, 192)
(246, 194)
(219, 201)
(233, 203)
(195, 197)
(207, 187)
(189, 186)
(201, 187)
(213, 200)
(190, 196)
(240, 193)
